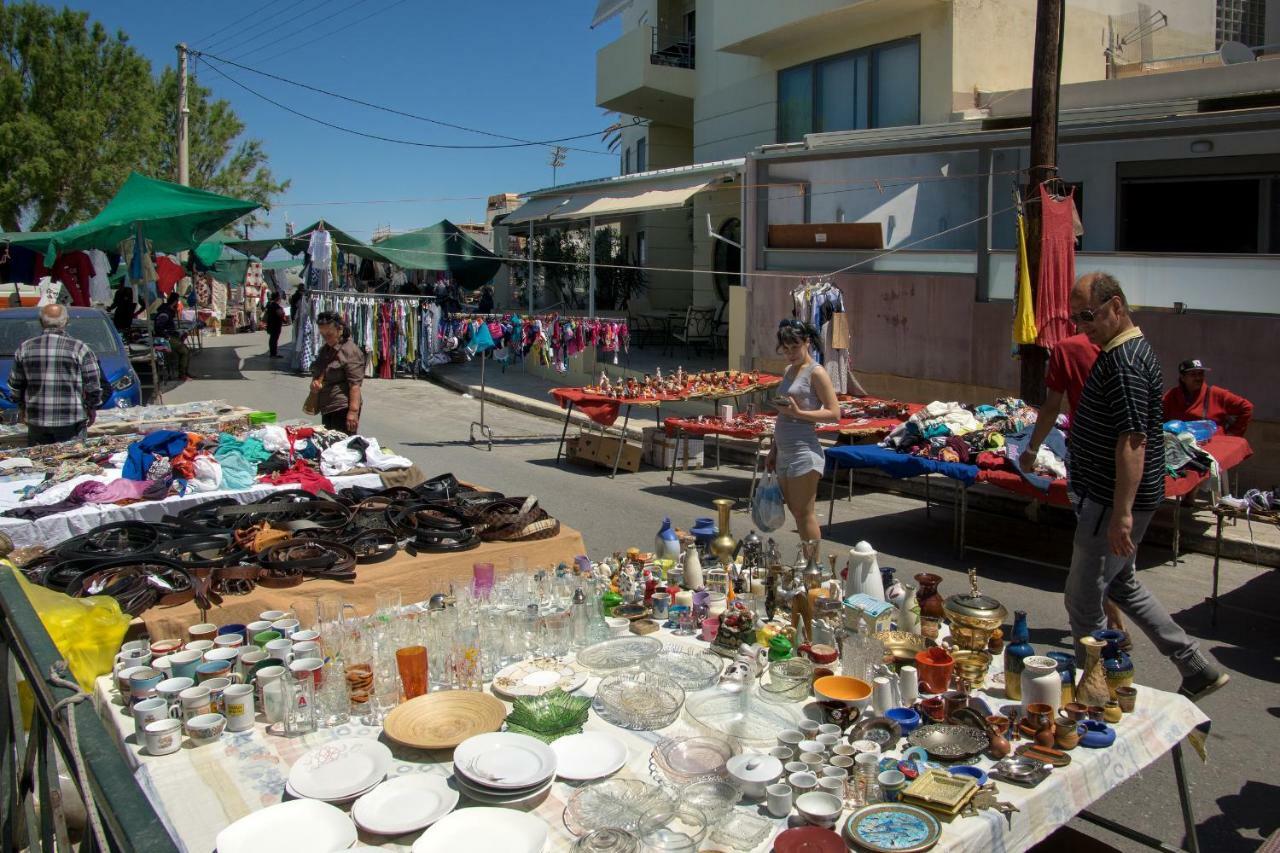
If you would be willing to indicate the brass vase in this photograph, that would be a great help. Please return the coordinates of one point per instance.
(724, 544)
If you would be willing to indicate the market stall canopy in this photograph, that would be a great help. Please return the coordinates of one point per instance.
(37, 241)
(260, 247)
(173, 217)
(446, 247)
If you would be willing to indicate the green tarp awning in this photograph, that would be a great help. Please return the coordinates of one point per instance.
(173, 217)
(260, 247)
(443, 246)
(37, 241)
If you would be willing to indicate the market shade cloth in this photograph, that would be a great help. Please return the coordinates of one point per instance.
(260, 247)
(199, 791)
(895, 464)
(173, 217)
(601, 409)
(445, 247)
(415, 578)
(37, 241)
(1229, 450)
(663, 193)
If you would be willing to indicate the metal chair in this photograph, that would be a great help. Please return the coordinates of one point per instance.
(697, 331)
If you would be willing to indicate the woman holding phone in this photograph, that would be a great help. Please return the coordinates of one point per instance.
(805, 399)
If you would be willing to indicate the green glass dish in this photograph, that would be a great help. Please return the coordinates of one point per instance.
(545, 737)
(553, 711)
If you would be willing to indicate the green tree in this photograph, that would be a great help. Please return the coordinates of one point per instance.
(219, 159)
(77, 113)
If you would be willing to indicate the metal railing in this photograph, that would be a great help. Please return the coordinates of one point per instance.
(674, 50)
(33, 815)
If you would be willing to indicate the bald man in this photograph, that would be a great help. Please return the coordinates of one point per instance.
(56, 382)
(1116, 472)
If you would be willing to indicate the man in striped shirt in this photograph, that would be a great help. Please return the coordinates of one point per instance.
(1117, 476)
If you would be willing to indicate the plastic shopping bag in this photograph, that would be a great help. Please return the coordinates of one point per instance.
(767, 510)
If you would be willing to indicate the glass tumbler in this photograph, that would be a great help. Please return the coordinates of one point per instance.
(412, 664)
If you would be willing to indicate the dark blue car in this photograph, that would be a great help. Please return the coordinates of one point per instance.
(91, 325)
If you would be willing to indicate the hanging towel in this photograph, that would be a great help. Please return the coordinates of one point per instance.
(1024, 318)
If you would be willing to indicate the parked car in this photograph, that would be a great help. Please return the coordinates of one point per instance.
(91, 325)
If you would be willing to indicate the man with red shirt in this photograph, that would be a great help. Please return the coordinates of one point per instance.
(1194, 400)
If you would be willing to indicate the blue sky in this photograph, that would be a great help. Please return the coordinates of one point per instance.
(515, 67)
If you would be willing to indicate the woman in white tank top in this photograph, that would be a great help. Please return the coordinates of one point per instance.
(805, 399)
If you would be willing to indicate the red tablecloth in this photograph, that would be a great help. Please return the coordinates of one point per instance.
(1229, 450)
(601, 409)
(712, 427)
(876, 428)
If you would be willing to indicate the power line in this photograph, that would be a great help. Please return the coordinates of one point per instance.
(274, 31)
(260, 24)
(213, 67)
(343, 27)
(237, 22)
(402, 113)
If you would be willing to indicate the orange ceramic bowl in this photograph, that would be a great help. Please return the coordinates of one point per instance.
(843, 688)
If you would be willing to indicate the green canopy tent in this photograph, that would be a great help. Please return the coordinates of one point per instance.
(173, 217)
(260, 247)
(446, 247)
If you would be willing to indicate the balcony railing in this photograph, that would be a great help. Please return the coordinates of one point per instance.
(34, 815)
(670, 49)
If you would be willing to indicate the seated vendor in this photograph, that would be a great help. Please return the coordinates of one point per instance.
(1194, 399)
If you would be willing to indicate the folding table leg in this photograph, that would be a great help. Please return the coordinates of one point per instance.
(671, 480)
(1217, 560)
(622, 439)
(568, 414)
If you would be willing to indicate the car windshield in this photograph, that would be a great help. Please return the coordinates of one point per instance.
(94, 331)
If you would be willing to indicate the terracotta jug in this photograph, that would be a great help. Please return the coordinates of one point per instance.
(1092, 688)
(927, 598)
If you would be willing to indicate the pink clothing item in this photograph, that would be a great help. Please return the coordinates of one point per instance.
(1057, 268)
(122, 489)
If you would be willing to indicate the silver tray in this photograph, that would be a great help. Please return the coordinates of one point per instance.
(947, 742)
(619, 653)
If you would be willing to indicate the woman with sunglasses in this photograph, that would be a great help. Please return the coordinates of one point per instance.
(805, 399)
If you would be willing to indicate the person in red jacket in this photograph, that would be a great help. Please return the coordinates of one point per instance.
(1193, 399)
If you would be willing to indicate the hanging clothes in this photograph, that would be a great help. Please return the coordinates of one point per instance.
(168, 274)
(1024, 317)
(74, 270)
(1057, 268)
(320, 258)
(99, 282)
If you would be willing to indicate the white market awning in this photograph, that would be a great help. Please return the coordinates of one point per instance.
(665, 193)
(606, 9)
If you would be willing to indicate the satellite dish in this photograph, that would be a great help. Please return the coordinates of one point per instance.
(1234, 53)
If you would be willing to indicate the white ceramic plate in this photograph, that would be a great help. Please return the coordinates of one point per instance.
(288, 789)
(483, 828)
(296, 825)
(503, 760)
(340, 769)
(404, 804)
(590, 755)
(490, 797)
(538, 676)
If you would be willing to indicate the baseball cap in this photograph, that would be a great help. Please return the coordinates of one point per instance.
(1192, 364)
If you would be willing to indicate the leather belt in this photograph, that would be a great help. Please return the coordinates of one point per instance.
(313, 558)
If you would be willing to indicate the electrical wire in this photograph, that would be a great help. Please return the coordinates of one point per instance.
(267, 33)
(342, 28)
(236, 22)
(393, 111)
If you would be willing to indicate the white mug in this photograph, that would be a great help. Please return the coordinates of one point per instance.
(281, 648)
(286, 627)
(228, 641)
(778, 799)
(200, 646)
(267, 676)
(148, 711)
(273, 700)
(171, 688)
(222, 653)
(308, 650)
(256, 628)
(195, 701)
(270, 616)
(163, 736)
(305, 636)
(238, 701)
(134, 657)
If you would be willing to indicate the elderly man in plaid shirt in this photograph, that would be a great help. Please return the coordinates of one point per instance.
(56, 381)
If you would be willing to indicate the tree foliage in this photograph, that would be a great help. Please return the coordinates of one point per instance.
(80, 108)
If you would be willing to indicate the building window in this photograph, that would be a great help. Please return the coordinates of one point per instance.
(1243, 21)
(642, 253)
(626, 161)
(642, 155)
(877, 86)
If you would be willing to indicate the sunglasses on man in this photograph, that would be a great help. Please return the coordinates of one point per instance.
(1088, 315)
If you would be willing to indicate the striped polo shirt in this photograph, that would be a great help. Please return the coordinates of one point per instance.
(1124, 393)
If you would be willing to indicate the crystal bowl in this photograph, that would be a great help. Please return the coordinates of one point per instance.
(639, 700)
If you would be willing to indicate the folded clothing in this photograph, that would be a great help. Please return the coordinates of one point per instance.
(356, 451)
(302, 475)
(142, 454)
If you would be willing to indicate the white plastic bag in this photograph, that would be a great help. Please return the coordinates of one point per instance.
(767, 509)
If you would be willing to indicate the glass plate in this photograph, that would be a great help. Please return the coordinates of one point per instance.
(689, 759)
(743, 716)
(742, 831)
(692, 669)
(639, 700)
(619, 653)
(616, 803)
(714, 799)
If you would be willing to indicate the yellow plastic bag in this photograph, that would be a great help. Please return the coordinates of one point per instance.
(87, 631)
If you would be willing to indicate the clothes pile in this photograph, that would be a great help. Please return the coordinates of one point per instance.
(953, 432)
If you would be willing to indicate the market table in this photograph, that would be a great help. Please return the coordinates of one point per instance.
(54, 529)
(200, 790)
(415, 577)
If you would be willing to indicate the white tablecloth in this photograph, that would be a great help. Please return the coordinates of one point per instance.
(53, 529)
(200, 790)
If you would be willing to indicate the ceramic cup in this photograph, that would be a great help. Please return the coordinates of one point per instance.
(829, 742)
(843, 749)
(618, 625)
(790, 738)
(659, 603)
(214, 669)
(203, 631)
(256, 628)
(237, 700)
(281, 648)
(261, 638)
(935, 667)
(835, 773)
(1066, 733)
(222, 653)
(148, 711)
(778, 799)
(216, 688)
(306, 651)
(286, 627)
(142, 683)
(829, 729)
(1074, 711)
(810, 745)
(934, 708)
(795, 767)
(122, 680)
(134, 657)
(833, 785)
(842, 761)
(162, 736)
(206, 728)
(249, 660)
(164, 663)
(233, 628)
(783, 753)
(195, 701)
(169, 689)
(1127, 697)
(201, 646)
(228, 641)
(891, 784)
(183, 664)
(270, 616)
(812, 761)
(309, 667)
(809, 728)
(802, 783)
(265, 676)
(306, 635)
(1095, 713)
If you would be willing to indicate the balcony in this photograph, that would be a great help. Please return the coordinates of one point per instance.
(759, 27)
(645, 73)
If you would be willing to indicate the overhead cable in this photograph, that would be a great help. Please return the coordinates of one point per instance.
(298, 32)
(256, 11)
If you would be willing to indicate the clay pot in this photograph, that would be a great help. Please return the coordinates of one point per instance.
(1097, 713)
(1074, 711)
(955, 700)
(934, 708)
(1127, 697)
(1111, 712)
(1066, 733)
(934, 666)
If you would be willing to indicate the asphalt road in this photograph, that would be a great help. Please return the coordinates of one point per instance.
(1234, 795)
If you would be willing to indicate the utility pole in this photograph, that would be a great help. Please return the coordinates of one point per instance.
(184, 113)
(1045, 73)
(557, 160)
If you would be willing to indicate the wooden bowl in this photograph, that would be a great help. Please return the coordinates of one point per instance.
(444, 720)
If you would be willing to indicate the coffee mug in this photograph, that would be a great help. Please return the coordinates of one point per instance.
(249, 660)
(165, 647)
(237, 701)
(148, 711)
(261, 638)
(213, 669)
(183, 664)
(217, 686)
(228, 641)
(164, 663)
(233, 628)
(273, 700)
(306, 635)
(286, 627)
(267, 675)
(169, 689)
(281, 648)
(203, 631)
(142, 683)
(222, 653)
(201, 646)
(163, 736)
(313, 667)
(270, 616)
(134, 657)
(195, 701)
(122, 679)
(935, 667)
(305, 651)
(256, 628)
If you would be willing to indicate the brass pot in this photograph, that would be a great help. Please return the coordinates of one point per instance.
(724, 544)
(973, 616)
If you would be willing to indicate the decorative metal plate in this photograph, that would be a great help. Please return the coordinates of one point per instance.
(892, 828)
(946, 742)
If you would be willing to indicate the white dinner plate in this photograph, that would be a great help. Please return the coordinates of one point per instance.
(404, 804)
(296, 825)
(590, 755)
(346, 798)
(340, 769)
(490, 797)
(486, 829)
(503, 760)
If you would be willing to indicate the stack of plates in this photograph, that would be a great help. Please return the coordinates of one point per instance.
(340, 771)
(504, 769)
(404, 804)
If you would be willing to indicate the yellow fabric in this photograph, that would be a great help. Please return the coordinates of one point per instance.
(1024, 318)
(1127, 335)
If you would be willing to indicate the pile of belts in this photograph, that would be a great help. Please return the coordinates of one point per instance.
(222, 547)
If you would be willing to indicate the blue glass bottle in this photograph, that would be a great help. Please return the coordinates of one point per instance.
(1019, 647)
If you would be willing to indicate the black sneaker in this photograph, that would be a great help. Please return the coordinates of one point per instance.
(1201, 684)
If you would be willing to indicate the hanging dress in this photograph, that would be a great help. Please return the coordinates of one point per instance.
(1057, 268)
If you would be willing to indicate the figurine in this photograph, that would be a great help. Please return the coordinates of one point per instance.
(737, 629)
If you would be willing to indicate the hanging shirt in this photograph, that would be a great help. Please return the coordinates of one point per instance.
(1057, 268)
(99, 281)
(74, 270)
(320, 248)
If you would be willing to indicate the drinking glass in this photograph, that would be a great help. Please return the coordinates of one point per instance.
(559, 634)
(412, 665)
(682, 616)
(482, 579)
(358, 672)
(387, 604)
(464, 659)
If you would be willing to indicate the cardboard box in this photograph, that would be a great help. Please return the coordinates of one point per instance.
(603, 449)
(665, 451)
